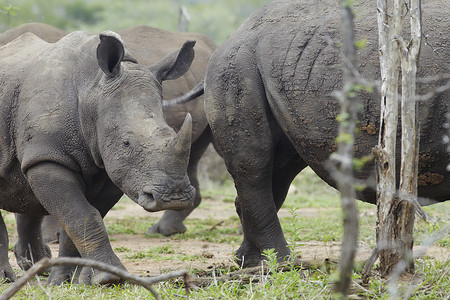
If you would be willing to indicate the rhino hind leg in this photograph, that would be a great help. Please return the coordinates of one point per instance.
(30, 246)
(50, 229)
(6, 272)
(172, 221)
(62, 274)
(247, 137)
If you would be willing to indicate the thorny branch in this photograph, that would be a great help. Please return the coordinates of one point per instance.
(46, 263)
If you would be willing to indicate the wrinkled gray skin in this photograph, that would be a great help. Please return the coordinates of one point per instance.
(82, 123)
(269, 104)
(148, 45)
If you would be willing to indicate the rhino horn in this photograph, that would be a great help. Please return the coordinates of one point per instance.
(181, 143)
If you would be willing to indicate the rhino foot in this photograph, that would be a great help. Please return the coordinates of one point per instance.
(25, 259)
(7, 274)
(247, 255)
(166, 228)
(91, 276)
(62, 274)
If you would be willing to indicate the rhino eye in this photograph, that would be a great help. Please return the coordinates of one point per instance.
(126, 143)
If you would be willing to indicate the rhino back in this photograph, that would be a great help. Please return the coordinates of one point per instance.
(294, 47)
(46, 32)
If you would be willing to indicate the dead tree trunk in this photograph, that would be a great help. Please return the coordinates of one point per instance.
(349, 109)
(396, 211)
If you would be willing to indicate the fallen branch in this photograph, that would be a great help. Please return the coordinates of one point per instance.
(46, 263)
(251, 274)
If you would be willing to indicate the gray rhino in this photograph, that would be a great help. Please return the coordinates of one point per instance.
(82, 123)
(148, 45)
(268, 100)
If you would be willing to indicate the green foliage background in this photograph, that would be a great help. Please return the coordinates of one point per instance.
(214, 18)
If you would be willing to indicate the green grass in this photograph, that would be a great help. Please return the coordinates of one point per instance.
(432, 275)
(129, 225)
(77, 292)
(324, 224)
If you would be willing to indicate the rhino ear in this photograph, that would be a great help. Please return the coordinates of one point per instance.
(176, 63)
(110, 53)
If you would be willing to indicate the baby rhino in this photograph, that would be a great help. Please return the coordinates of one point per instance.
(82, 123)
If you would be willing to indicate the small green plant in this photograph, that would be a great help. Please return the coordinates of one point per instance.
(294, 231)
(271, 260)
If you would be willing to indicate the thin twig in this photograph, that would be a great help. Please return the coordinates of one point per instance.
(367, 270)
(216, 225)
(46, 263)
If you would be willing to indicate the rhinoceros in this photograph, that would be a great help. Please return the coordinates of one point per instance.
(81, 124)
(148, 45)
(268, 100)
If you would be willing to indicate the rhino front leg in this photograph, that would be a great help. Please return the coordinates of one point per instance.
(103, 202)
(6, 272)
(62, 193)
(172, 221)
(30, 247)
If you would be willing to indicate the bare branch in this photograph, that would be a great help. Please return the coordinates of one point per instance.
(46, 263)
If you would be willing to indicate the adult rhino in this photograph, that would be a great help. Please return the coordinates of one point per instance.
(268, 101)
(81, 123)
(148, 45)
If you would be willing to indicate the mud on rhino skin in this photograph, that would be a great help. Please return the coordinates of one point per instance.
(268, 100)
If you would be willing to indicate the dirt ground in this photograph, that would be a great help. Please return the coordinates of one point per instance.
(214, 254)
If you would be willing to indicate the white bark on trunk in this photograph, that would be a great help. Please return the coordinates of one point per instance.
(396, 213)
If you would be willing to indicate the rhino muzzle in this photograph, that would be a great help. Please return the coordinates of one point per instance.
(153, 199)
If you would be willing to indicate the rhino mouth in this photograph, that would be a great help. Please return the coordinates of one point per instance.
(152, 199)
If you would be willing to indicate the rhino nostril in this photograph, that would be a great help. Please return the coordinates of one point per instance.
(147, 190)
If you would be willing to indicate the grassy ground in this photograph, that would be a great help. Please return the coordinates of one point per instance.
(311, 219)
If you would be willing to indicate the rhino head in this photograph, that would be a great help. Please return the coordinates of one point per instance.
(131, 140)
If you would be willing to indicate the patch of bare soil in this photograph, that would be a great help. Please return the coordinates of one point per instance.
(207, 254)
(215, 254)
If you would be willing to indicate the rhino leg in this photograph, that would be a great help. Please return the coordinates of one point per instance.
(6, 272)
(62, 193)
(249, 254)
(62, 274)
(282, 175)
(241, 124)
(172, 221)
(105, 200)
(50, 229)
(30, 246)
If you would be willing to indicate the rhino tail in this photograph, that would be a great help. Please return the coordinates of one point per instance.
(197, 91)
